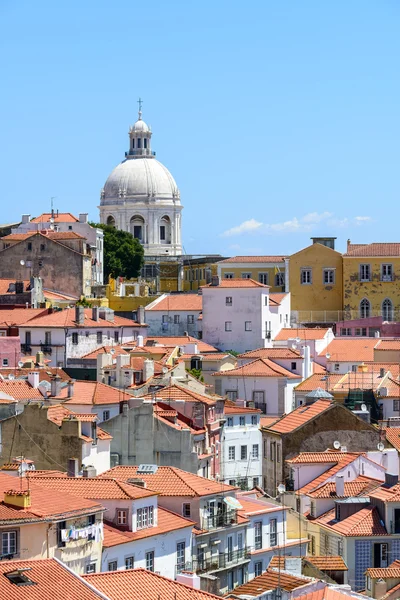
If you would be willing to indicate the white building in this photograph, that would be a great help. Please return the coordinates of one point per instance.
(241, 462)
(317, 339)
(141, 196)
(237, 314)
(174, 314)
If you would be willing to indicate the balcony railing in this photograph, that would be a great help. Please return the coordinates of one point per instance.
(220, 520)
(46, 348)
(289, 484)
(26, 348)
(223, 560)
(140, 152)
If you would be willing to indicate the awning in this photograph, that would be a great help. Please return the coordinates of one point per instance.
(233, 502)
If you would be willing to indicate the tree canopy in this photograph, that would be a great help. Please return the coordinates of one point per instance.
(123, 254)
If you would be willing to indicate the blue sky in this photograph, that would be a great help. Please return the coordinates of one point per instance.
(278, 119)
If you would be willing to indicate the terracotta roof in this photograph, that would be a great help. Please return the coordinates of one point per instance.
(57, 413)
(390, 592)
(211, 356)
(166, 521)
(319, 380)
(350, 350)
(318, 369)
(388, 345)
(103, 435)
(261, 367)
(174, 419)
(269, 580)
(5, 285)
(179, 340)
(20, 389)
(237, 283)
(272, 353)
(58, 218)
(45, 373)
(300, 416)
(177, 392)
(49, 294)
(66, 318)
(393, 436)
(174, 302)
(358, 487)
(105, 350)
(52, 580)
(327, 563)
(171, 481)
(268, 421)
(52, 235)
(375, 249)
(329, 593)
(387, 494)
(240, 410)
(93, 488)
(278, 296)
(252, 506)
(44, 503)
(365, 522)
(330, 456)
(389, 572)
(17, 316)
(329, 473)
(253, 259)
(92, 392)
(316, 333)
(139, 584)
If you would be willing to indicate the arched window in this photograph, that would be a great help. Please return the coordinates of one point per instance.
(133, 142)
(137, 227)
(365, 309)
(139, 143)
(111, 221)
(165, 230)
(145, 143)
(387, 310)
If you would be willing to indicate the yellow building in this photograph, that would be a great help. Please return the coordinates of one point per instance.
(371, 274)
(269, 270)
(198, 270)
(315, 282)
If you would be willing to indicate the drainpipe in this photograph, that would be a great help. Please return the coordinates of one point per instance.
(47, 540)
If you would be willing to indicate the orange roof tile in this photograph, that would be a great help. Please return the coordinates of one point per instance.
(329, 473)
(261, 367)
(358, 487)
(387, 494)
(52, 235)
(393, 436)
(52, 580)
(17, 316)
(93, 488)
(253, 259)
(375, 249)
(174, 302)
(270, 580)
(20, 389)
(330, 456)
(163, 413)
(237, 283)
(272, 353)
(318, 369)
(388, 345)
(66, 318)
(45, 373)
(179, 340)
(365, 522)
(252, 506)
(268, 421)
(58, 218)
(171, 481)
(209, 357)
(177, 392)
(239, 410)
(319, 380)
(389, 572)
(92, 392)
(316, 333)
(350, 350)
(105, 350)
(327, 593)
(323, 563)
(6, 283)
(300, 416)
(139, 584)
(56, 296)
(57, 413)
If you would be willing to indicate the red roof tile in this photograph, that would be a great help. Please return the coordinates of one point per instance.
(358, 487)
(93, 488)
(66, 318)
(389, 572)
(329, 473)
(177, 392)
(387, 494)
(45, 373)
(237, 283)
(388, 345)
(92, 392)
(20, 389)
(268, 421)
(52, 235)
(272, 353)
(300, 416)
(179, 340)
(253, 259)
(316, 333)
(365, 522)
(58, 218)
(261, 367)
(270, 580)
(105, 350)
(319, 380)
(174, 302)
(350, 350)
(17, 316)
(6, 283)
(375, 249)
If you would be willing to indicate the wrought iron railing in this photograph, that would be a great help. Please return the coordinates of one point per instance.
(219, 520)
(222, 560)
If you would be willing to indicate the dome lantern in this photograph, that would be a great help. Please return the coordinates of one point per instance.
(140, 138)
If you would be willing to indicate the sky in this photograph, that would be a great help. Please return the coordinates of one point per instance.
(278, 119)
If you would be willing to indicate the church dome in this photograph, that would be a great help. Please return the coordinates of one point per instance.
(140, 126)
(141, 179)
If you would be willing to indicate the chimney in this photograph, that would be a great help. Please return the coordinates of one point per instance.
(73, 467)
(136, 481)
(39, 358)
(148, 369)
(306, 362)
(33, 378)
(80, 315)
(140, 341)
(18, 499)
(348, 245)
(339, 485)
(89, 471)
(380, 588)
(71, 388)
(56, 386)
(26, 218)
(83, 217)
(381, 372)
(214, 281)
(141, 315)
(95, 313)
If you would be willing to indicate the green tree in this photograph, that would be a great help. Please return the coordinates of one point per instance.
(123, 254)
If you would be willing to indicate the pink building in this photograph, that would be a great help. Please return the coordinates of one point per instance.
(369, 327)
(10, 351)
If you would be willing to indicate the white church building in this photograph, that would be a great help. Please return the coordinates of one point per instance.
(141, 196)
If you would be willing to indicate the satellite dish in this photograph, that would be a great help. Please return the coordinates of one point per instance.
(22, 262)
(380, 447)
(328, 356)
(294, 346)
(297, 340)
(20, 364)
(336, 444)
(364, 407)
(112, 351)
(281, 488)
(11, 377)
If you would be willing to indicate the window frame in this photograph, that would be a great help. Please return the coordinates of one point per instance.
(185, 512)
(145, 517)
(228, 300)
(245, 275)
(231, 452)
(243, 452)
(306, 276)
(132, 559)
(263, 277)
(248, 326)
(258, 535)
(111, 563)
(149, 559)
(99, 337)
(255, 451)
(364, 269)
(327, 272)
(228, 326)
(7, 534)
(190, 319)
(273, 532)
(387, 276)
(121, 516)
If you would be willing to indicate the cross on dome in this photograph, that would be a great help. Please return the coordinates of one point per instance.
(140, 102)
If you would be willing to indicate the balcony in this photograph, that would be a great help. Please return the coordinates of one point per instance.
(26, 348)
(140, 152)
(220, 561)
(46, 348)
(289, 484)
(219, 520)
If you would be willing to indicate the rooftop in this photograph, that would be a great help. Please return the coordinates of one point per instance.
(361, 486)
(288, 333)
(52, 235)
(174, 302)
(387, 345)
(176, 392)
(375, 249)
(272, 353)
(364, 523)
(323, 563)
(57, 216)
(350, 350)
(300, 416)
(269, 580)
(179, 340)
(319, 380)
(105, 350)
(17, 316)
(253, 259)
(237, 283)
(66, 318)
(92, 392)
(261, 367)
(93, 488)
(20, 389)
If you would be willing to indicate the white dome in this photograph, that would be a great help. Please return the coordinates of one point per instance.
(141, 179)
(140, 126)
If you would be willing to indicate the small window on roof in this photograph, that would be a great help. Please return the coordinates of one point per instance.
(18, 577)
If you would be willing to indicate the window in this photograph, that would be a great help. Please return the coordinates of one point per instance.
(293, 366)
(69, 227)
(272, 447)
(40, 263)
(257, 568)
(190, 319)
(247, 325)
(145, 143)
(232, 395)
(240, 576)
(263, 278)
(232, 482)
(329, 276)
(229, 422)
(106, 415)
(254, 419)
(122, 517)
(47, 338)
(396, 405)
(162, 233)
(365, 273)
(42, 247)
(186, 509)
(306, 276)
(246, 275)
(256, 481)
(258, 399)
(150, 561)
(228, 275)
(273, 538)
(130, 562)
(228, 325)
(177, 319)
(368, 583)
(99, 337)
(340, 547)
(60, 526)
(258, 535)
(243, 452)
(8, 542)
(387, 310)
(231, 453)
(365, 308)
(387, 272)
(164, 318)
(5, 362)
(345, 331)
(255, 451)
(145, 517)
(29, 246)
(113, 565)
(230, 581)
(242, 421)
(75, 338)
(116, 337)
(228, 301)
(180, 556)
(280, 279)
(361, 331)
(91, 568)
(337, 512)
